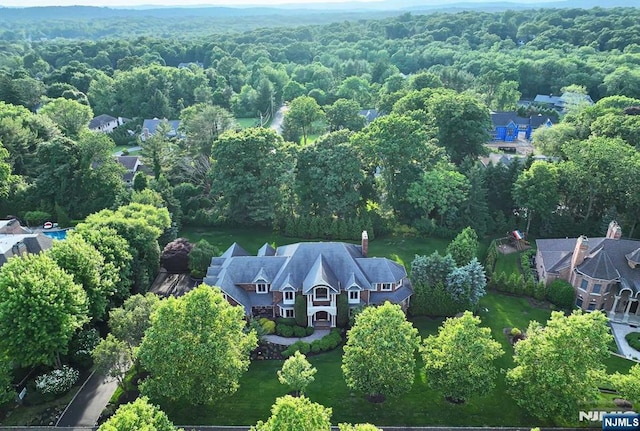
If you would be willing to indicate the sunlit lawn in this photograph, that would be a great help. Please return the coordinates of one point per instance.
(400, 249)
(246, 123)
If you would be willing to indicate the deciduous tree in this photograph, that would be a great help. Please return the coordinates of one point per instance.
(554, 372)
(460, 359)
(40, 309)
(296, 414)
(138, 415)
(628, 385)
(464, 246)
(536, 190)
(379, 357)
(207, 334)
(297, 373)
(112, 358)
(303, 112)
(71, 116)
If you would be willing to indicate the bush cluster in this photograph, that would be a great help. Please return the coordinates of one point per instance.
(268, 326)
(57, 381)
(328, 342)
(561, 294)
(515, 283)
(288, 328)
(633, 338)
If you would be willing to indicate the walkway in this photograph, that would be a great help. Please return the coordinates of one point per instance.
(130, 150)
(87, 405)
(619, 331)
(287, 341)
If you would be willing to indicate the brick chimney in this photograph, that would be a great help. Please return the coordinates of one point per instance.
(580, 252)
(365, 243)
(614, 231)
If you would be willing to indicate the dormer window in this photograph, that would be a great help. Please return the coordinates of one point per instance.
(321, 294)
(354, 296)
(262, 288)
(289, 297)
(386, 287)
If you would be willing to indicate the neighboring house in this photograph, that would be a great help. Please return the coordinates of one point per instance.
(149, 128)
(561, 102)
(269, 283)
(507, 125)
(105, 123)
(16, 240)
(369, 114)
(605, 272)
(132, 164)
(188, 65)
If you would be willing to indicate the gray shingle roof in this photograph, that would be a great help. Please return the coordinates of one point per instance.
(634, 256)
(130, 163)
(152, 125)
(599, 266)
(101, 120)
(266, 250)
(396, 296)
(302, 266)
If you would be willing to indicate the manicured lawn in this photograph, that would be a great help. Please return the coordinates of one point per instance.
(507, 263)
(401, 250)
(246, 123)
(259, 387)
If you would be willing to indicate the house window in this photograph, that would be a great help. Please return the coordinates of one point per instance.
(584, 284)
(321, 293)
(591, 307)
(354, 296)
(289, 313)
(262, 287)
(288, 296)
(386, 286)
(596, 288)
(579, 302)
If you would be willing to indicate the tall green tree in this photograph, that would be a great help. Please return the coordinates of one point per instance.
(460, 360)
(40, 309)
(203, 124)
(7, 393)
(379, 357)
(628, 385)
(344, 114)
(251, 170)
(329, 177)
(536, 190)
(296, 414)
(464, 246)
(554, 374)
(87, 267)
(303, 112)
(112, 358)
(207, 333)
(297, 373)
(129, 322)
(138, 415)
(72, 117)
(158, 150)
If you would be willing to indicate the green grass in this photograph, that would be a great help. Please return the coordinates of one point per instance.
(402, 250)
(633, 338)
(246, 123)
(259, 387)
(507, 263)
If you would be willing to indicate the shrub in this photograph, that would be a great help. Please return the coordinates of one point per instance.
(57, 381)
(299, 331)
(540, 291)
(300, 310)
(633, 338)
(316, 346)
(342, 318)
(309, 330)
(561, 294)
(268, 326)
(298, 346)
(34, 218)
(515, 331)
(289, 321)
(284, 330)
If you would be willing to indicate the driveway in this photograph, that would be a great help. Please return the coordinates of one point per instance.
(276, 124)
(130, 150)
(85, 408)
(619, 331)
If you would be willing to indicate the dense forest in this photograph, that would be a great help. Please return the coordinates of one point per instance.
(435, 76)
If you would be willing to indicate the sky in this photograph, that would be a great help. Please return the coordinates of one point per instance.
(134, 3)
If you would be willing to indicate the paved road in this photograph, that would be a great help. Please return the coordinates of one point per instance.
(276, 124)
(119, 153)
(89, 402)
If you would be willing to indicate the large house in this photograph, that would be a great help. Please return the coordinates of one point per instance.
(150, 127)
(605, 272)
(105, 123)
(16, 240)
(269, 283)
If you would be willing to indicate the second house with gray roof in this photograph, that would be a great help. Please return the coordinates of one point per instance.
(267, 284)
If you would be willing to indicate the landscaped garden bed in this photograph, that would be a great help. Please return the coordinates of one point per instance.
(633, 338)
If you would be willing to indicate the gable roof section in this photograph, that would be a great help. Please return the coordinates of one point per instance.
(320, 274)
(152, 125)
(101, 120)
(266, 250)
(130, 163)
(381, 270)
(234, 250)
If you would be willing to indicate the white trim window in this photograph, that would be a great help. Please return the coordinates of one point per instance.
(386, 287)
(288, 313)
(262, 288)
(354, 296)
(289, 297)
(321, 294)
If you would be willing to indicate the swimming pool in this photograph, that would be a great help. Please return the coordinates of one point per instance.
(56, 234)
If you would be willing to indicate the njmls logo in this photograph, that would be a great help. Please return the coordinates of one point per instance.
(621, 422)
(598, 415)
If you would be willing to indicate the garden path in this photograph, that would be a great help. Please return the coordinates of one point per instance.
(287, 341)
